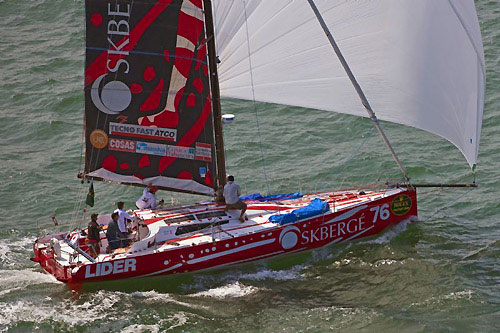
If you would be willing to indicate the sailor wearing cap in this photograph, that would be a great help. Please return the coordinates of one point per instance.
(148, 198)
(93, 236)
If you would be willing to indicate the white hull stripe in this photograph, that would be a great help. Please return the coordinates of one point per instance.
(336, 240)
(359, 233)
(347, 214)
(163, 270)
(250, 259)
(239, 249)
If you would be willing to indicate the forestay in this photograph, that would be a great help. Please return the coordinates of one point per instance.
(148, 113)
(420, 63)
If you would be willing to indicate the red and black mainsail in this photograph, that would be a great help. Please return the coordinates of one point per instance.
(148, 110)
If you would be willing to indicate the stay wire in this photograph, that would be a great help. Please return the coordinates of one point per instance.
(253, 98)
(440, 210)
(354, 154)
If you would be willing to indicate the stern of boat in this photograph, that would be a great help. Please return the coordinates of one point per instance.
(46, 253)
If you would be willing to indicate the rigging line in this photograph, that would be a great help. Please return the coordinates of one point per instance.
(357, 87)
(78, 205)
(81, 191)
(78, 202)
(253, 96)
(356, 151)
(439, 210)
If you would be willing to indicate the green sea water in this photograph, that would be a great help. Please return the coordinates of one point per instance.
(439, 274)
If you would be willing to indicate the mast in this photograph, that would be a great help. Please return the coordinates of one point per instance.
(216, 107)
(354, 82)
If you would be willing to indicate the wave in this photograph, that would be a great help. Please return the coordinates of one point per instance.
(392, 232)
(68, 311)
(177, 320)
(236, 289)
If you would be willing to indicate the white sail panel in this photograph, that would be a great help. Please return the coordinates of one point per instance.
(420, 63)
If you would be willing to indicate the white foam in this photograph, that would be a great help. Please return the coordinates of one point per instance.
(453, 296)
(6, 291)
(344, 316)
(11, 280)
(97, 308)
(236, 289)
(11, 250)
(391, 233)
(282, 275)
(177, 320)
(459, 295)
(154, 296)
(141, 328)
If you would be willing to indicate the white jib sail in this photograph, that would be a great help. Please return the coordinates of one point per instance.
(420, 63)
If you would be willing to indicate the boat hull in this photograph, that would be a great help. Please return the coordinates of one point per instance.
(355, 222)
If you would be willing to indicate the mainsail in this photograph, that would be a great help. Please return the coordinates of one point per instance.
(148, 110)
(420, 63)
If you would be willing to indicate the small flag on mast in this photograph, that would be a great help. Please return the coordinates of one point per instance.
(90, 195)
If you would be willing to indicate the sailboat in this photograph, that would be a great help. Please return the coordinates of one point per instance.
(155, 71)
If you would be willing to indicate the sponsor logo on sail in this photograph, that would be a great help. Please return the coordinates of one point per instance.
(203, 172)
(150, 148)
(203, 152)
(147, 132)
(114, 96)
(401, 204)
(181, 152)
(98, 139)
(122, 145)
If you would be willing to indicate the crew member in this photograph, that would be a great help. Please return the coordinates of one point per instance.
(93, 237)
(232, 192)
(123, 216)
(113, 234)
(148, 199)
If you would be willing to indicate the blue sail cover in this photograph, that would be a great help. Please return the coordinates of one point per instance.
(316, 207)
(274, 197)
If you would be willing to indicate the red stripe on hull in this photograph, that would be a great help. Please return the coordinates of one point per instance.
(356, 222)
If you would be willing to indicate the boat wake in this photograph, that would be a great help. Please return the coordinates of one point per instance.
(68, 311)
(12, 280)
(236, 289)
(391, 233)
(294, 273)
(154, 296)
(13, 252)
(166, 324)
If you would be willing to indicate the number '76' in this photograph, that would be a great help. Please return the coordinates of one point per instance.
(380, 211)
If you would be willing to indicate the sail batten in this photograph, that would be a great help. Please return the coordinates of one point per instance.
(420, 63)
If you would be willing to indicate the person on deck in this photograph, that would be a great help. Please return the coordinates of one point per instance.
(148, 199)
(232, 191)
(93, 236)
(113, 234)
(123, 216)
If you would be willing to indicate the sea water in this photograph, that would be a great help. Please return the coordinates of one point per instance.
(439, 274)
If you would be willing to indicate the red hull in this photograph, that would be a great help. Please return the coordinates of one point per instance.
(355, 221)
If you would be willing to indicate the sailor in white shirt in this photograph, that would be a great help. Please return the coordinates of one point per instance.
(232, 191)
(148, 199)
(123, 216)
